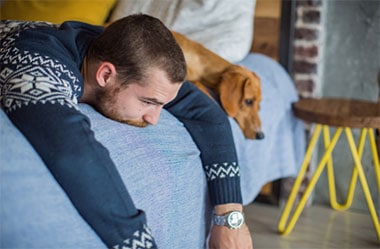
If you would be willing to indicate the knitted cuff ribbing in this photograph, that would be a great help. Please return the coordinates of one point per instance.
(223, 183)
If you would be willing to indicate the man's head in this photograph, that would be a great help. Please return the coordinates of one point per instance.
(132, 69)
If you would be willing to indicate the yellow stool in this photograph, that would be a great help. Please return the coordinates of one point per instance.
(343, 114)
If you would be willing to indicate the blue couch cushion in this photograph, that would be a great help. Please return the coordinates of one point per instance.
(35, 212)
(160, 166)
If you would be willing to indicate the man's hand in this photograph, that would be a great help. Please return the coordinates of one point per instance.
(222, 237)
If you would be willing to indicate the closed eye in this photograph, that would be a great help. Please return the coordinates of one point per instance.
(147, 102)
(150, 101)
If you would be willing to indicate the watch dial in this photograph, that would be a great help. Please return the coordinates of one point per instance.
(235, 219)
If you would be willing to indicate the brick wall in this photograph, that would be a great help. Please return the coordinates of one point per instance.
(306, 62)
(307, 46)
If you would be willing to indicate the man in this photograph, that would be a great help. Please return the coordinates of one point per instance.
(128, 71)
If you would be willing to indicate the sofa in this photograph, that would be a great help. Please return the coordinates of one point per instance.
(163, 161)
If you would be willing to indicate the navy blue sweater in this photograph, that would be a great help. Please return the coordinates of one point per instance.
(41, 85)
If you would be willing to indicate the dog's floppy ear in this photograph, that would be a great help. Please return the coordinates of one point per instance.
(230, 93)
(257, 83)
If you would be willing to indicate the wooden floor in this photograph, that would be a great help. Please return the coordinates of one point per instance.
(318, 227)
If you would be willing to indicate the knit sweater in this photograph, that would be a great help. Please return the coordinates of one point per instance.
(41, 84)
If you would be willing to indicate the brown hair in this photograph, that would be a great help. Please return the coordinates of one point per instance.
(136, 43)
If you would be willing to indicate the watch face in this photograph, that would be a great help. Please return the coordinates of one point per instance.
(235, 219)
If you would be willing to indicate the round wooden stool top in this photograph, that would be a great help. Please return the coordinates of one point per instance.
(339, 112)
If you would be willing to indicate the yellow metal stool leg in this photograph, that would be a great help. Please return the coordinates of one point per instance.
(375, 157)
(329, 168)
(351, 189)
(284, 228)
(363, 181)
(298, 181)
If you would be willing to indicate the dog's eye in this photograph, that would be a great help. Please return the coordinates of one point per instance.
(249, 102)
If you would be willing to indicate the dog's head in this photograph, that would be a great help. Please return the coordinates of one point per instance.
(240, 96)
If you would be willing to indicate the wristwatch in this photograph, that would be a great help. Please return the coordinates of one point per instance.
(232, 220)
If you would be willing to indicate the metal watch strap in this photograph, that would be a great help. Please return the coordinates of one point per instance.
(222, 220)
(219, 220)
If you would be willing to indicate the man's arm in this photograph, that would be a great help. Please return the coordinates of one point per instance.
(210, 129)
(224, 237)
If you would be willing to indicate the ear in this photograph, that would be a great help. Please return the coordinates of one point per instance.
(257, 78)
(105, 74)
(230, 93)
(257, 85)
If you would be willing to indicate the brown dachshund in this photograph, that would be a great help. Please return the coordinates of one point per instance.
(236, 88)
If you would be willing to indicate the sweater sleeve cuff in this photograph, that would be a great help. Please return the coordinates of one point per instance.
(135, 236)
(224, 183)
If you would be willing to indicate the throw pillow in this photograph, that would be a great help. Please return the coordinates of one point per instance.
(223, 26)
(94, 12)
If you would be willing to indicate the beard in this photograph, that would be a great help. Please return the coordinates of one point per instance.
(106, 105)
(141, 124)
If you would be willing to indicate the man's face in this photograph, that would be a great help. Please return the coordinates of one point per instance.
(135, 104)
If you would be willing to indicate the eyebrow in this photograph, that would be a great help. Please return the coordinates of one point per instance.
(153, 100)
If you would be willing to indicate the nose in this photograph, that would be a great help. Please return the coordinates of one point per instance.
(260, 135)
(152, 116)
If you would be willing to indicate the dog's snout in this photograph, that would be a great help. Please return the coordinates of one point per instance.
(260, 135)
